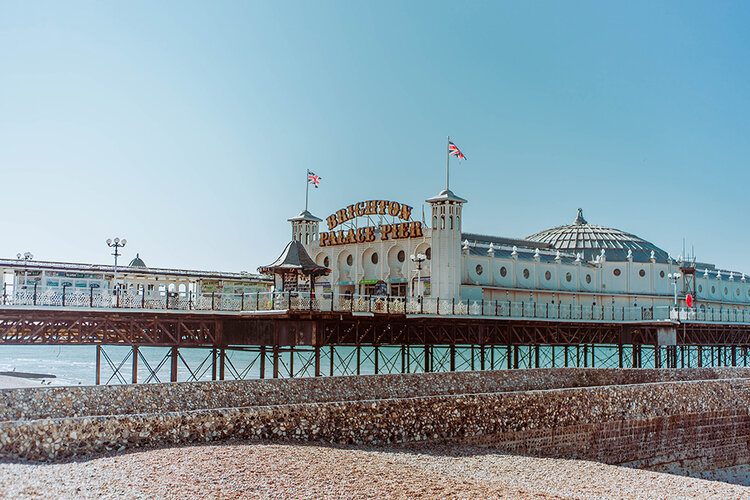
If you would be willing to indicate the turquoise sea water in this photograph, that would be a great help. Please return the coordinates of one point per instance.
(74, 365)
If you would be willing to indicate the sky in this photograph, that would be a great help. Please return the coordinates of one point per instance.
(188, 127)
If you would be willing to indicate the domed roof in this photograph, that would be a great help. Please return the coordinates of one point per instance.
(137, 262)
(589, 239)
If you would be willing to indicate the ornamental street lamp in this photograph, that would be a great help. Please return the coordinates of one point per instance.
(674, 277)
(117, 243)
(418, 259)
(26, 256)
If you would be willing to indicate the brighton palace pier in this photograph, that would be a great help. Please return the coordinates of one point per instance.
(377, 284)
(372, 248)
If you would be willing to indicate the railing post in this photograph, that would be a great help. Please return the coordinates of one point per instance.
(421, 304)
(35, 293)
(166, 299)
(257, 300)
(143, 297)
(453, 306)
(5, 293)
(388, 304)
(289, 299)
(482, 306)
(117, 298)
(63, 297)
(242, 301)
(273, 301)
(91, 296)
(437, 306)
(213, 300)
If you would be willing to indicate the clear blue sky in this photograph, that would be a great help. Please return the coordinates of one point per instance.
(187, 127)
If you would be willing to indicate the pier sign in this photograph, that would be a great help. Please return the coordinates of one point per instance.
(396, 230)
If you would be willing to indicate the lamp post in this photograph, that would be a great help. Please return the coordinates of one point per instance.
(418, 259)
(26, 256)
(674, 277)
(117, 244)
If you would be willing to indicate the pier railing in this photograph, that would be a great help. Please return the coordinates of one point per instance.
(361, 304)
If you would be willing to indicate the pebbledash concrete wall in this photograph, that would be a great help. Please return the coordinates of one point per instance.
(697, 418)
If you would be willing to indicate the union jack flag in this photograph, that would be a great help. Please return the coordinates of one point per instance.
(313, 179)
(454, 151)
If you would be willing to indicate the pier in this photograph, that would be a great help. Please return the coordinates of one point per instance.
(293, 335)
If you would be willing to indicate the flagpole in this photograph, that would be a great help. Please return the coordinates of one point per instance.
(307, 189)
(447, 164)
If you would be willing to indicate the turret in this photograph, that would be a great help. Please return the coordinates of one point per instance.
(445, 267)
(305, 229)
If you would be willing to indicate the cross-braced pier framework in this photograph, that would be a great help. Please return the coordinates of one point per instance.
(288, 344)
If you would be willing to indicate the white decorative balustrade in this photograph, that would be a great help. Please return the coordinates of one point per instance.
(362, 304)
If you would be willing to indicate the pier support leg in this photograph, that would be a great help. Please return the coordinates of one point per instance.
(585, 355)
(359, 359)
(262, 361)
(657, 356)
(173, 364)
(403, 358)
(213, 364)
(471, 356)
(536, 356)
(509, 358)
(427, 358)
(492, 357)
(98, 372)
(734, 355)
(515, 357)
(291, 362)
(317, 361)
(481, 358)
(700, 356)
(565, 356)
(135, 364)
(552, 356)
(452, 349)
(275, 361)
(619, 355)
(98, 364)
(330, 367)
(222, 362)
(376, 355)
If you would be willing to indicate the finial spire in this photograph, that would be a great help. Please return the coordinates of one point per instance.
(579, 218)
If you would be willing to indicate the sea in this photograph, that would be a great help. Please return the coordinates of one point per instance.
(76, 365)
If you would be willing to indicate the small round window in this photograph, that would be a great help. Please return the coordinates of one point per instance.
(401, 256)
(726, 291)
(616, 272)
(503, 272)
(713, 289)
(526, 273)
(548, 275)
(738, 292)
(349, 260)
(588, 278)
(479, 269)
(326, 261)
(374, 258)
(568, 277)
(661, 274)
(428, 253)
(642, 273)
(700, 288)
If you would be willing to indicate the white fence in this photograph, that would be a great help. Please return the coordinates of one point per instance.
(278, 301)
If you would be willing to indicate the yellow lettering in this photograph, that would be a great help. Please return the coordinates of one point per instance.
(385, 230)
(416, 230)
(370, 233)
(360, 209)
(323, 239)
(405, 212)
(332, 222)
(350, 237)
(402, 230)
(372, 207)
(394, 208)
(382, 206)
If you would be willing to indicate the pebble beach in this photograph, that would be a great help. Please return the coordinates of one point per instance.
(264, 470)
